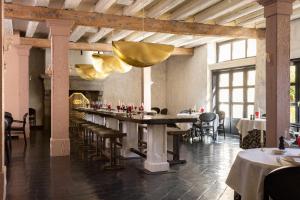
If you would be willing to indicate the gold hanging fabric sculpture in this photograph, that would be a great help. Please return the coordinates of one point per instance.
(108, 63)
(88, 72)
(141, 54)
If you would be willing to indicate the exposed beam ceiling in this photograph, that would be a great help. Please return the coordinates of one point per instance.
(220, 9)
(32, 25)
(158, 37)
(100, 34)
(45, 43)
(237, 14)
(191, 8)
(101, 7)
(129, 23)
(130, 11)
(162, 7)
(159, 9)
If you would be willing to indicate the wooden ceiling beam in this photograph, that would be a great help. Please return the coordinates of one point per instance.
(129, 23)
(45, 43)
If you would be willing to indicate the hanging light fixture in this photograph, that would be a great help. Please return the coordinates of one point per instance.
(88, 72)
(109, 63)
(141, 54)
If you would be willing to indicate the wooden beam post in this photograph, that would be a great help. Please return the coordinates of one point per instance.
(277, 14)
(59, 36)
(2, 136)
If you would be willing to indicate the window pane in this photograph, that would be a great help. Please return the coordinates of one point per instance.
(293, 114)
(237, 95)
(237, 111)
(293, 74)
(224, 52)
(250, 95)
(292, 93)
(224, 80)
(251, 49)
(238, 79)
(239, 49)
(250, 110)
(251, 77)
(224, 95)
(225, 108)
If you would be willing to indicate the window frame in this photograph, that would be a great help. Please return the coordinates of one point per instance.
(245, 88)
(231, 49)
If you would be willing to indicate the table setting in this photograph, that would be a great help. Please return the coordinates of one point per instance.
(251, 166)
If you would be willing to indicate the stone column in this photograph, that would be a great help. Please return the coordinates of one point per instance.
(23, 54)
(2, 164)
(277, 14)
(59, 36)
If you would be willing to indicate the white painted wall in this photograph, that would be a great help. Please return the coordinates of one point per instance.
(187, 81)
(159, 85)
(295, 39)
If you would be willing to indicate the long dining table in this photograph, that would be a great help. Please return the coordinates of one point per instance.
(156, 157)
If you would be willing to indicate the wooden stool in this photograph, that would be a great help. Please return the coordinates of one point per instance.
(112, 136)
(176, 134)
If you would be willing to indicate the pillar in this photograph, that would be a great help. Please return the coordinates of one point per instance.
(2, 166)
(277, 14)
(59, 36)
(23, 52)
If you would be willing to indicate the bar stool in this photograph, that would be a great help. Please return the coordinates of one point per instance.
(113, 136)
(176, 133)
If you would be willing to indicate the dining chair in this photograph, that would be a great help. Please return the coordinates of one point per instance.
(282, 184)
(164, 111)
(32, 117)
(20, 129)
(221, 127)
(206, 124)
(252, 140)
(156, 109)
(8, 147)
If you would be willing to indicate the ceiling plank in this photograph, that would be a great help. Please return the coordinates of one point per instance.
(102, 6)
(162, 7)
(237, 14)
(220, 9)
(138, 36)
(71, 4)
(32, 25)
(157, 10)
(192, 8)
(8, 27)
(128, 23)
(137, 6)
(130, 11)
(45, 43)
(158, 37)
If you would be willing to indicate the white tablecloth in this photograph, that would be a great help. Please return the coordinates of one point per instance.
(187, 126)
(246, 125)
(249, 169)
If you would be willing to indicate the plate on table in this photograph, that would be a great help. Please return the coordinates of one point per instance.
(278, 152)
(292, 159)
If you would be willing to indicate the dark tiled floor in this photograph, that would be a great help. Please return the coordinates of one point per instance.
(33, 175)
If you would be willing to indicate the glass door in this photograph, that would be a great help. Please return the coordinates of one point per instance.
(235, 94)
